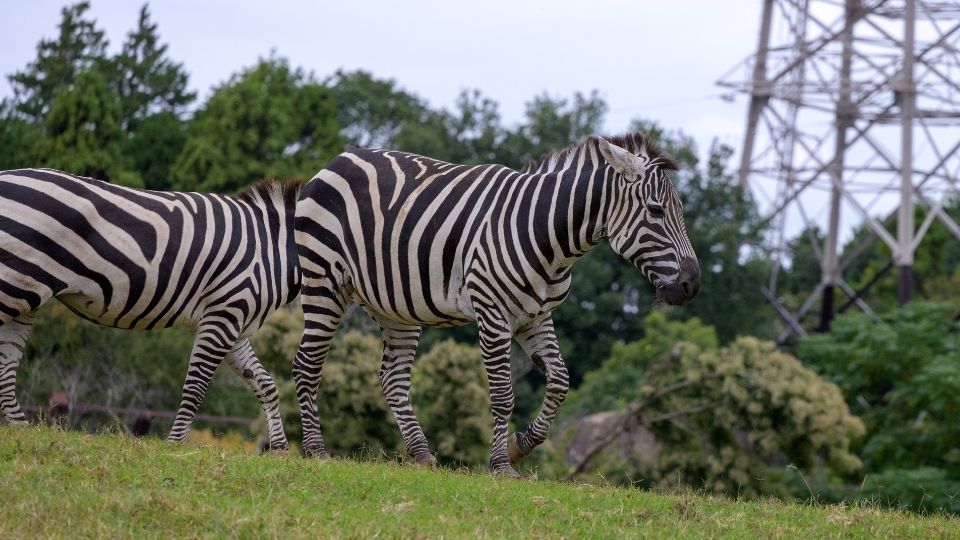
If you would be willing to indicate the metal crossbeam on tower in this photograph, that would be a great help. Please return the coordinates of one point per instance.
(854, 112)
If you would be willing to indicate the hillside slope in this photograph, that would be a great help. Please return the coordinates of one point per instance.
(57, 484)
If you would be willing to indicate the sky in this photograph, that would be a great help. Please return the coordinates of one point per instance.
(648, 59)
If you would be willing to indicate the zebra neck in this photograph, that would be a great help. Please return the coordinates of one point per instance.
(578, 218)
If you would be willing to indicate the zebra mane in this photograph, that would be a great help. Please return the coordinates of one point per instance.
(269, 190)
(636, 142)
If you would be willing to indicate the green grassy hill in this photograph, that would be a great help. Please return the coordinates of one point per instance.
(58, 484)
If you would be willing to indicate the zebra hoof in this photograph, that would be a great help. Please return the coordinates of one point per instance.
(513, 450)
(276, 450)
(315, 454)
(425, 461)
(507, 472)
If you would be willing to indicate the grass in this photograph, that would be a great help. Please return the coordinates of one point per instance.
(59, 484)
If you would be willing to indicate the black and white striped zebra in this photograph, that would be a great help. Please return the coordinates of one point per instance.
(136, 259)
(419, 242)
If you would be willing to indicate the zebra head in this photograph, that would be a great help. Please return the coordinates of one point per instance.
(644, 220)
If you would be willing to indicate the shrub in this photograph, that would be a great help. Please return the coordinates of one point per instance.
(724, 419)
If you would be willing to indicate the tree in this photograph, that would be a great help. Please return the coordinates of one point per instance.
(18, 138)
(147, 81)
(372, 111)
(153, 95)
(268, 121)
(154, 147)
(471, 133)
(83, 133)
(79, 47)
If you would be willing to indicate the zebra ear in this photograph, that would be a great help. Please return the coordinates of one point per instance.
(622, 161)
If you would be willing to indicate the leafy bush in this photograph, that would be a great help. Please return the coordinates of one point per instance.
(724, 419)
(902, 376)
(453, 403)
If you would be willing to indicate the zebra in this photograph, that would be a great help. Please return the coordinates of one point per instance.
(419, 242)
(133, 259)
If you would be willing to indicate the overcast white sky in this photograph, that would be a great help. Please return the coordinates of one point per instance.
(649, 59)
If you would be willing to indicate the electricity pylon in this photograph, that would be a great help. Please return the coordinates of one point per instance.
(854, 112)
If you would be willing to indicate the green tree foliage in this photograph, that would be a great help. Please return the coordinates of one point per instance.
(471, 133)
(147, 81)
(902, 376)
(621, 376)
(112, 117)
(727, 419)
(552, 123)
(803, 274)
(154, 147)
(79, 47)
(153, 95)
(83, 133)
(372, 111)
(18, 138)
(270, 120)
(378, 113)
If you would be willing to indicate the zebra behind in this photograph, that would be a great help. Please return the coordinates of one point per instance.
(135, 259)
(419, 242)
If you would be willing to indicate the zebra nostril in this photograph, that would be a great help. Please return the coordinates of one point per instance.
(685, 285)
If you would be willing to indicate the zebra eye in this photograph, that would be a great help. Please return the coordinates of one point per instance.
(655, 210)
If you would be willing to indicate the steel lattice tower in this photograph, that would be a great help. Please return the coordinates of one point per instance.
(854, 112)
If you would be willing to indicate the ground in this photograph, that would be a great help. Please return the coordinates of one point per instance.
(58, 484)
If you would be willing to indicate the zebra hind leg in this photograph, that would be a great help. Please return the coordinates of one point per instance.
(244, 362)
(539, 341)
(213, 342)
(13, 340)
(399, 347)
(323, 307)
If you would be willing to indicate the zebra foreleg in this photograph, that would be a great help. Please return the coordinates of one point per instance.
(539, 341)
(213, 342)
(13, 339)
(243, 360)
(399, 347)
(323, 307)
(495, 338)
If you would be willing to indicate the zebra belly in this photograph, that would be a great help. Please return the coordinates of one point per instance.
(446, 312)
(91, 309)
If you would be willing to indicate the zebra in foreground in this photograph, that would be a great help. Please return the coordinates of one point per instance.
(136, 259)
(419, 242)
